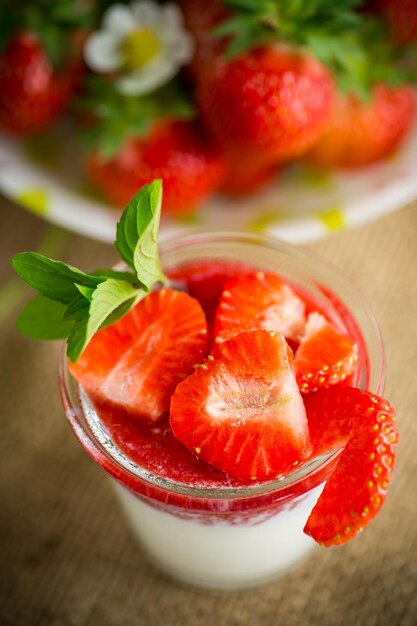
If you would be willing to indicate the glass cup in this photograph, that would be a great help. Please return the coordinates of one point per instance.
(231, 537)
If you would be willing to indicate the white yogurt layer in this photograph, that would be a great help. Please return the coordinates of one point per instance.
(222, 555)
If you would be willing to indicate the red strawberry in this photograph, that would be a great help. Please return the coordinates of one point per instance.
(329, 422)
(358, 485)
(242, 411)
(200, 19)
(175, 151)
(325, 355)
(259, 301)
(136, 363)
(32, 93)
(360, 133)
(205, 281)
(401, 16)
(268, 104)
(246, 177)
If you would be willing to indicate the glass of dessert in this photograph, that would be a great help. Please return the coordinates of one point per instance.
(236, 406)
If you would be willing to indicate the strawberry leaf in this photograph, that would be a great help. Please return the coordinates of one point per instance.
(52, 22)
(353, 45)
(118, 117)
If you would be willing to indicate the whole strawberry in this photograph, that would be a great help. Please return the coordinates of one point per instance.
(132, 140)
(268, 104)
(40, 63)
(360, 133)
(175, 151)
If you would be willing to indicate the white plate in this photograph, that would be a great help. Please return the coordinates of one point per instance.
(300, 206)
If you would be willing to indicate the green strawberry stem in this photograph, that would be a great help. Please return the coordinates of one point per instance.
(353, 45)
(118, 117)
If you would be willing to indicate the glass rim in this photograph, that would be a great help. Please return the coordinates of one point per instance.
(117, 464)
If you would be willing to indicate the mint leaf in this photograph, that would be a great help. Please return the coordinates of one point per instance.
(52, 279)
(76, 341)
(87, 292)
(128, 276)
(75, 306)
(43, 318)
(106, 299)
(137, 234)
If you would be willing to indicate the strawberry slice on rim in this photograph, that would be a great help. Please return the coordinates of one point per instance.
(325, 356)
(242, 411)
(136, 363)
(259, 301)
(357, 487)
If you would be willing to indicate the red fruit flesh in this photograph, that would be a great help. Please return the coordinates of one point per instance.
(357, 488)
(176, 151)
(267, 105)
(362, 133)
(136, 363)
(325, 355)
(259, 301)
(242, 411)
(32, 94)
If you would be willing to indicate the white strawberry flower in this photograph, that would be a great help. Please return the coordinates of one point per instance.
(145, 43)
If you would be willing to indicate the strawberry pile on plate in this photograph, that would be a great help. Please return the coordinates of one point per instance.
(258, 387)
(212, 96)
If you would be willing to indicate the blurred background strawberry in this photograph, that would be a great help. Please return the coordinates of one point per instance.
(219, 95)
(40, 61)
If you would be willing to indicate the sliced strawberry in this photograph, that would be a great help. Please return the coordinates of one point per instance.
(325, 355)
(242, 411)
(358, 485)
(136, 363)
(259, 301)
(328, 419)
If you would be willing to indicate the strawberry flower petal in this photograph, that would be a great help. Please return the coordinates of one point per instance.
(101, 52)
(145, 43)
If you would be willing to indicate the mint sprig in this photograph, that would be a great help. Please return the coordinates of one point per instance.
(74, 305)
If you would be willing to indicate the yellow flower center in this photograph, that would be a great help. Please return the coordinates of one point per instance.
(139, 48)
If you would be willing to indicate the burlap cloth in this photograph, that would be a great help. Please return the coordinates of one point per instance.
(67, 556)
